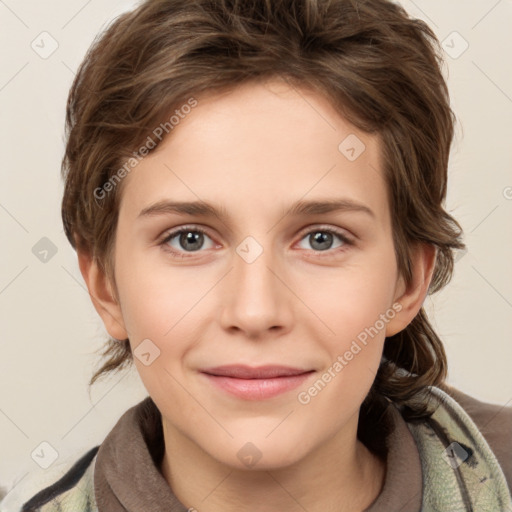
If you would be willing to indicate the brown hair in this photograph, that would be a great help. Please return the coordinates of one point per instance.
(380, 69)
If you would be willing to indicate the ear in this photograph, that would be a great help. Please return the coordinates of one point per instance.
(103, 299)
(411, 298)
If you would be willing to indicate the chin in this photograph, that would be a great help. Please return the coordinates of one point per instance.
(258, 453)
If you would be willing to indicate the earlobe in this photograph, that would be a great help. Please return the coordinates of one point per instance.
(411, 297)
(102, 296)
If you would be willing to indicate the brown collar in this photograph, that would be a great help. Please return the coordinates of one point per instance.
(127, 476)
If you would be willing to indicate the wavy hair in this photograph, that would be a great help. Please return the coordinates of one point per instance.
(380, 69)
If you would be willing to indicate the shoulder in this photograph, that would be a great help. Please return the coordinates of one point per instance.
(494, 422)
(72, 491)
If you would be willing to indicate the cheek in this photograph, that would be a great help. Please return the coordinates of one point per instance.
(158, 299)
(354, 352)
(161, 301)
(354, 304)
(350, 299)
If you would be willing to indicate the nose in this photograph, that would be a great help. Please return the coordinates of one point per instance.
(257, 297)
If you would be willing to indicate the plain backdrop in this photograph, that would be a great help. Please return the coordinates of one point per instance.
(49, 328)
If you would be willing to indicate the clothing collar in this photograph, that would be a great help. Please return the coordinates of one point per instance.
(127, 476)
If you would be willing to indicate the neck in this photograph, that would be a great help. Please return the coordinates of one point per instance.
(337, 477)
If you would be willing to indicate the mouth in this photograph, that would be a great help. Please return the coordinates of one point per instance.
(256, 383)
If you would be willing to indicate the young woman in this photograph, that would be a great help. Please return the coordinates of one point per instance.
(255, 192)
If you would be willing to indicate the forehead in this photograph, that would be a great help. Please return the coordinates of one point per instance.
(260, 144)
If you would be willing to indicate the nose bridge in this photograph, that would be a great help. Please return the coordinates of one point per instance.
(253, 264)
(258, 298)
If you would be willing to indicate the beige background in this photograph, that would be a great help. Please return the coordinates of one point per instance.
(49, 329)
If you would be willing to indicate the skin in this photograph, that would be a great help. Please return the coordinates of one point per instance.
(255, 151)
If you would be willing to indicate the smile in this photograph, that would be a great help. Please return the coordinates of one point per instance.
(256, 383)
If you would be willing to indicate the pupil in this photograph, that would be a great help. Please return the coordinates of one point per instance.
(189, 238)
(323, 239)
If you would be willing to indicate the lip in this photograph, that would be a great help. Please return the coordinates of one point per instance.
(242, 371)
(256, 383)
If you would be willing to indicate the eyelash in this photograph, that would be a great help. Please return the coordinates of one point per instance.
(347, 242)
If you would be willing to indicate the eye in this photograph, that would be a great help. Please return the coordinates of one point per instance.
(321, 239)
(188, 239)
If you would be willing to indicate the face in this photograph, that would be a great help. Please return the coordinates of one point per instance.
(264, 282)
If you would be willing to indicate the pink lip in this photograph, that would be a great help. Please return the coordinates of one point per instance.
(256, 383)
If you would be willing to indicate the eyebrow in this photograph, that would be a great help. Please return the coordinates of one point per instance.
(300, 208)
